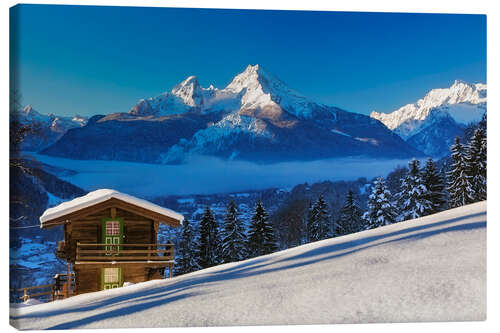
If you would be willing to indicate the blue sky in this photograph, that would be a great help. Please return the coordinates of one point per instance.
(99, 60)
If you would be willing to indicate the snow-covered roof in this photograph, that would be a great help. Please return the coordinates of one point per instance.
(102, 195)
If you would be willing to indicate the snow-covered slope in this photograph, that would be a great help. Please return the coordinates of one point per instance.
(422, 123)
(462, 101)
(260, 88)
(429, 269)
(185, 97)
(29, 114)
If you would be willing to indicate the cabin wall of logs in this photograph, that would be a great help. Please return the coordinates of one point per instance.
(88, 276)
(137, 229)
(109, 239)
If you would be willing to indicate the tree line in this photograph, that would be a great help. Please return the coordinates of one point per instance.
(213, 246)
(421, 191)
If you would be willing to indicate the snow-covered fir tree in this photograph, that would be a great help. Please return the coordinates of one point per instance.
(310, 224)
(460, 187)
(233, 236)
(381, 209)
(350, 220)
(483, 123)
(435, 185)
(413, 196)
(187, 250)
(476, 164)
(318, 224)
(261, 238)
(209, 244)
(324, 218)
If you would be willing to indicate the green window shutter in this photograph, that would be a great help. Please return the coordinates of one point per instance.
(102, 278)
(103, 234)
(121, 233)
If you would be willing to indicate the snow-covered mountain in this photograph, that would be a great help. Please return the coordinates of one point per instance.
(432, 122)
(429, 269)
(256, 117)
(254, 88)
(52, 127)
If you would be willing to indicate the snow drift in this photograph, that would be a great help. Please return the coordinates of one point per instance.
(428, 269)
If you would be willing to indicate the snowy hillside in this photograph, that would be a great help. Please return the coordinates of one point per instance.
(429, 269)
(432, 122)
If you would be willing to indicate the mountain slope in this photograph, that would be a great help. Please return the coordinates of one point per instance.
(52, 127)
(33, 189)
(432, 122)
(429, 269)
(256, 117)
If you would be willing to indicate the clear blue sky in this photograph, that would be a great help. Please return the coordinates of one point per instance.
(99, 60)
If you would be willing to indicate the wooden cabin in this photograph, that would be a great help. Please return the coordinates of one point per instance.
(111, 238)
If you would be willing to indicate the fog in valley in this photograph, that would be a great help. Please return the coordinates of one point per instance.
(208, 175)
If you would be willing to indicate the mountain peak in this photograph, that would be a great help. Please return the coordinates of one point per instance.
(29, 109)
(253, 68)
(255, 75)
(191, 80)
(462, 101)
(30, 113)
(189, 91)
(459, 82)
(260, 88)
(458, 92)
(250, 78)
(253, 88)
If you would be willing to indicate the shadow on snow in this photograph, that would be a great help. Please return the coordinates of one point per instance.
(170, 293)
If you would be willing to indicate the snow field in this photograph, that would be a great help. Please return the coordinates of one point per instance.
(428, 269)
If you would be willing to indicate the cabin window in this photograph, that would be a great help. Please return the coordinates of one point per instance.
(111, 278)
(112, 227)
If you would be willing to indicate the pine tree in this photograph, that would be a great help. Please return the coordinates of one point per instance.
(233, 236)
(413, 196)
(312, 228)
(319, 222)
(209, 240)
(350, 220)
(483, 123)
(261, 239)
(460, 188)
(381, 209)
(435, 186)
(187, 260)
(476, 164)
(324, 219)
